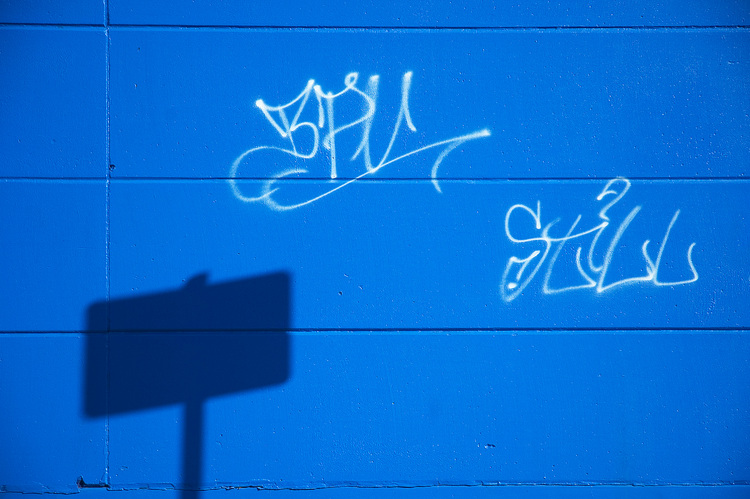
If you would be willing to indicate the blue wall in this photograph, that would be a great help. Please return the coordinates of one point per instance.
(375, 248)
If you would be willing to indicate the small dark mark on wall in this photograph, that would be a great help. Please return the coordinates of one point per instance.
(83, 485)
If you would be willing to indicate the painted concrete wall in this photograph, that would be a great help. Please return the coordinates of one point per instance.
(375, 248)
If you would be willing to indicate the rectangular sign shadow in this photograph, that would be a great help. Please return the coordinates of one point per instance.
(184, 346)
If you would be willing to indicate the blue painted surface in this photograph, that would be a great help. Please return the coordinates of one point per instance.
(46, 442)
(53, 102)
(536, 287)
(53, 253)
(395, 255)
(431, 13)
(558, 104)
(407, 409)
(443, 492)
(52, 11)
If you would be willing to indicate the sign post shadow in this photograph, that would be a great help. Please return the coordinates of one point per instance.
(184, 346)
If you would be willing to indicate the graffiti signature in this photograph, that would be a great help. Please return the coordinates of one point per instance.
(286, 120)
(519, 271)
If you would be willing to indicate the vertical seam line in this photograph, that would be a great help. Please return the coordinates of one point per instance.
(107, 66)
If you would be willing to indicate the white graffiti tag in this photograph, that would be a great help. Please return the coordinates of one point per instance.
(519, 271)
(286, 119)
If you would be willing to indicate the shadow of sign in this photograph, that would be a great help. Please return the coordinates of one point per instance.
(184, 346)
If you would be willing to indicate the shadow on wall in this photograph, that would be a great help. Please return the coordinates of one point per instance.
(184, 346)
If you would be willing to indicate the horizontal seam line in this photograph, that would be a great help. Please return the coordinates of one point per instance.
(141, 330)
(51, 25)
(457, 179)
(264, 485)
(373, 179)
(69, 179)
(363, 28)
(431, 28)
